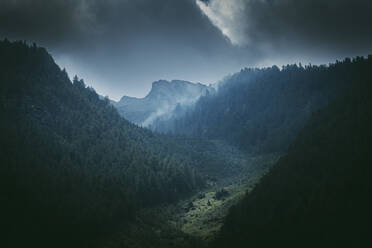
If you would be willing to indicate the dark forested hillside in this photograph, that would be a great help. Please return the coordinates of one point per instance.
(73, 171)
(70, 165)
(263, 109)
(319, 195)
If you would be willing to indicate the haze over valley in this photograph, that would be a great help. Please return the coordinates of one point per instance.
(190, 123)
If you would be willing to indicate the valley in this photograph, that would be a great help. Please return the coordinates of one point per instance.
(195, 221)
(185, 123)
(269, 156)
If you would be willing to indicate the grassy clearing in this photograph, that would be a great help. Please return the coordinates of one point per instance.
(202, 215)
(206, 217)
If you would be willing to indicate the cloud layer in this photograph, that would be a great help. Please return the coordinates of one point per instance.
(329, 27)
(122, 46)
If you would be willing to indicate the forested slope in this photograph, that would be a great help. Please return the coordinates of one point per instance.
(319, 195)
(70, 165)
(261, 110)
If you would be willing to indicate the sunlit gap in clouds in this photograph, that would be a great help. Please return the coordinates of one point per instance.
(226, 15)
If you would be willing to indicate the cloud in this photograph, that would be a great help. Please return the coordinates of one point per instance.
(296, 27)
(227, 15)
(121, 46)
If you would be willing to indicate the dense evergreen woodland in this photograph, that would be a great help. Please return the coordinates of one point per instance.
(72, 170)
(70, 165)
(319, 194)
(262, 110)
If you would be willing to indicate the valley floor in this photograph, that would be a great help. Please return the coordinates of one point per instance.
(195, 221)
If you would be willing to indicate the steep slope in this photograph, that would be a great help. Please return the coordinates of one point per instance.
(161, 101)
(319, 195)
(261, 110)
(71, 168)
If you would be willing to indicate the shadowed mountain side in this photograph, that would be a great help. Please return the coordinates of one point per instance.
(71, 167)
(319, 195)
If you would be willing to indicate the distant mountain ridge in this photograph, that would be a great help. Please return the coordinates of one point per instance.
(261, 110)
(162, 100)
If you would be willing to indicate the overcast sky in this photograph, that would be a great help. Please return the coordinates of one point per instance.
(121, 46)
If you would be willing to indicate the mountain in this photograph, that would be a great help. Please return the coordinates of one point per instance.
(319, 194)
(262, 110)
(162, 100)
(74, 173)
(72, 168)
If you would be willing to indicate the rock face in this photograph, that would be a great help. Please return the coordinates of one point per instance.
(162, 100)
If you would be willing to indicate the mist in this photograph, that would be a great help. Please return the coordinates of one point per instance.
(185, 123)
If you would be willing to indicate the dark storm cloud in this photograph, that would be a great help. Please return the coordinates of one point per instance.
(121, 46)
(53, 22)
(330, 24)
(296, 28)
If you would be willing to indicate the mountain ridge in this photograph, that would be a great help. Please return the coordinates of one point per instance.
(261, 110)
(162, 99)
